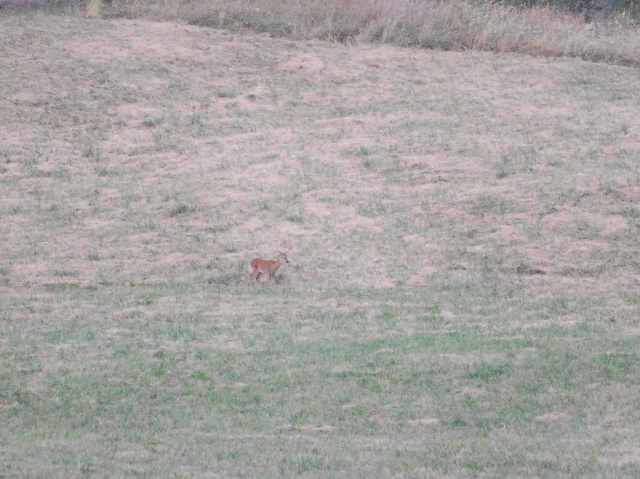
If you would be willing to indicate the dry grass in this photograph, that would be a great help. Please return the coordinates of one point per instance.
(462, 297)
(444, 25)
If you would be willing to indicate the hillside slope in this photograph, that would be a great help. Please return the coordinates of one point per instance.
(463, 231)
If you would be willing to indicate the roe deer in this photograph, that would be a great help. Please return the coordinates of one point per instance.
(259, 266)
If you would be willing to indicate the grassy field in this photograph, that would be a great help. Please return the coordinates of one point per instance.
(604, 31)
(463, 229)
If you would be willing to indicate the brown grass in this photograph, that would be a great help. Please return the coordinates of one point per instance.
(445, 25)
(462, 228)
(217, 104)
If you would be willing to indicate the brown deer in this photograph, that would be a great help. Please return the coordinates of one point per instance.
(267, 266)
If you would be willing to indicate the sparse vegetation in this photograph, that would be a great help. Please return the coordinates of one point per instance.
(462, 229)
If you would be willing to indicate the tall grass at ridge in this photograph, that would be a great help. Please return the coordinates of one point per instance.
(436, 24)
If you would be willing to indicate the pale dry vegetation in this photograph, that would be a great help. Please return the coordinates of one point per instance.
(462, 229)
(596, 30)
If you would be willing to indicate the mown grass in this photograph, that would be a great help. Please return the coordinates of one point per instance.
(462, 293)
(299, 388)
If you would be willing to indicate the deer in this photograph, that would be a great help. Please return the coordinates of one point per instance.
(267, 266)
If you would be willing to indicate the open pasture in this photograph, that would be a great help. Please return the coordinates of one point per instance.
(462, 297)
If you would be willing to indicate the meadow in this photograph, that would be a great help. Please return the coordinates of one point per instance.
(462, 298)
